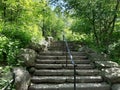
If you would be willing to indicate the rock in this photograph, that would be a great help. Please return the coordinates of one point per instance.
(116, 87)
(28, 56)
(111, 75)
(22, 78)
(31, 70)
(86, 49)
(81, 49)
(106, 64)
(97, 57)
(49, 40)
(93, 55)
(40, 46)
(44, 45)
(35, 46)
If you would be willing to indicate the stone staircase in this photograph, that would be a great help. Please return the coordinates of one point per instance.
(51, 72)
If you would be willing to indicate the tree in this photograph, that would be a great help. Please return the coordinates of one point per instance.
(101, 16)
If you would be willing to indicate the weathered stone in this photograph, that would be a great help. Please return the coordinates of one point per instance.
(81, 49)
(35, 46)
(28, 56)
(40, 46)
(86, 49)
(31, 70)
(106, 64)
(116, 87)
(44, 45)
(22, 78)
(112, 75)
(98, 57)
(49, 40)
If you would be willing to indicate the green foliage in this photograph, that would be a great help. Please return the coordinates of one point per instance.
(23, 22)
(81, 26)
(114, 51)
(98, 21)
(5, 76)
(8, 50)
(18, 27)
(16, 33)
(96, 17)
(53, 24)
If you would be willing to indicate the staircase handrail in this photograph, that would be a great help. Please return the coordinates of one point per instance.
(71, 58)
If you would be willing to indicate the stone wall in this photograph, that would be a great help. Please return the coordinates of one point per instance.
(110, 70)
(27, 57)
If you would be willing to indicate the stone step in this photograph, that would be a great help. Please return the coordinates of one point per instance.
(66, 72)
(63, 44)
(59, 49)
(66, 79)
(63, 47)
(47, 61)
(60, 57)
(66, 86)
(58, 53)
(63, 66)
(69, 42)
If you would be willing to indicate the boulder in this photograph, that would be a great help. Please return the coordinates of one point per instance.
(44, 45)
(28, 57)
(82, 49)
(116, 87)
(86, 49)
(49, 40)
(98, 57)
(105, 64)
(22, 78)
(111, 75)
(31, 70)
(35, 46)
(40, 46)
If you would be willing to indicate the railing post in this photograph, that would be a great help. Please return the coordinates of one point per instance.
(74, 77)
(67, 51)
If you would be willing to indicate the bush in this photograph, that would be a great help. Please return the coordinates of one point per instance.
(17, 33)
(8, 50)
(114, 51)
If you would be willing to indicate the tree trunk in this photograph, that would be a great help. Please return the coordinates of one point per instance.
(115, 17)
(94, 29)
(4, 11)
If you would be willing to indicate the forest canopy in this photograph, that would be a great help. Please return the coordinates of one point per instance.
(96, 23)
(23, 22)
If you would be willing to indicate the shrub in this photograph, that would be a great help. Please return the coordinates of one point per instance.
(8, 50)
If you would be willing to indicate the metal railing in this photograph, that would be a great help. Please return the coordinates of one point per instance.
(68, 52)
(10, 83)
